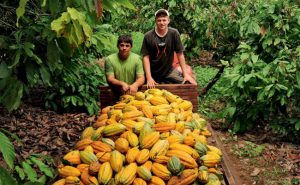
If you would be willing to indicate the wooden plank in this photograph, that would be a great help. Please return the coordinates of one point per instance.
(231, 176)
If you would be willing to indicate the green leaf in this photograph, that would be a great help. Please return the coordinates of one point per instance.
(21, 172)
(254, 58)
(277, 41)
(4, 70)
(248, 77)
(42, 166)
(12, 94)
(6, 178)
(21, 10)
(34, 183)
(28, 48)
(7, 150)
(58, 25)
(126, 4)
(282, 87)
(45, 74)
(54, 6)
(236, 126)
(16, 59)
(244, 56)
(31, 173)
(298, 77)
(172, 3)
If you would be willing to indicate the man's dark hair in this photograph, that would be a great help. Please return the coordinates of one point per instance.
(125, 38)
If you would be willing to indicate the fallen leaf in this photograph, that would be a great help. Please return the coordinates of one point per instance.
(255, 172)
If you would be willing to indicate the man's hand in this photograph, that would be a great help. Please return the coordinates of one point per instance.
(190, 79)
(125, 87)
(151, 83)
(132, 89)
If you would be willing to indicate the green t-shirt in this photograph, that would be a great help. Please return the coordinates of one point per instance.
(126, 70)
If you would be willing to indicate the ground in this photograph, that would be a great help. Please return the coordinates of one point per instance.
(50, 133)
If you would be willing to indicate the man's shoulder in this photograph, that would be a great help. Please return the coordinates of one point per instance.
(149, 33)
(172, 30)
(135, 56)
(111, 56)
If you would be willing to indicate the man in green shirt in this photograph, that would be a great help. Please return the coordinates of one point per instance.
(124, 70)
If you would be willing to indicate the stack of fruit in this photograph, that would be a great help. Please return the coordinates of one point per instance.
(150, 138)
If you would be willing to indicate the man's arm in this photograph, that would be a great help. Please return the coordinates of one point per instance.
(117, 83)
(182, 63)
(133, 88)
(150, 81)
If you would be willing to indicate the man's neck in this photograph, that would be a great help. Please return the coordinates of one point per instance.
(161, 33)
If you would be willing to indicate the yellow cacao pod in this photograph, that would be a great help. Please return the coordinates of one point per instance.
(82, 166)
(161, 171)
(105, 173)
(159, 148)
(186, 159)
(158, 100)
(113, 129)
(73, 157)
(147, 111)
(148, 165)
(68, 171)
(143, 156)
(139, 181)
(139, 95)
(59, 182)
(116, 161)
(132, 139)
(87, 132)
(88, 157)
(80, 145)
(149, 140)
(156, 181)
(122, 145)
(128, 174)
(100, 146)
(72, 180)
(144, 173)
(103, 156)
(132, 154)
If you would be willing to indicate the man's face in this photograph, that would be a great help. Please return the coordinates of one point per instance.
(124, 50)
(162, 22)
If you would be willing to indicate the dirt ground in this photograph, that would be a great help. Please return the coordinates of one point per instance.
(257, 162)
(54, 134)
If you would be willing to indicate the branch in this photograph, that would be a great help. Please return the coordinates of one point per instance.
(204, 90)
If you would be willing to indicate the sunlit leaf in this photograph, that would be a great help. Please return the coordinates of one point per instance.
(7, 150)
(20, 172)
(21, 10)
(31, 173)
(42, 166)
(6, 178)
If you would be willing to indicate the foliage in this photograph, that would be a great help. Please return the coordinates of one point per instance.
(33, 170)
(248, 150)
(47, 37)
(78, 86)
(7, 150)
(203, 23)
(264, 79)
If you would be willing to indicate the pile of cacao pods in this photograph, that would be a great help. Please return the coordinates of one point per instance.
(150, 138)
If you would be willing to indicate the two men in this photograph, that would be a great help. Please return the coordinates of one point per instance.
(124, 69)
